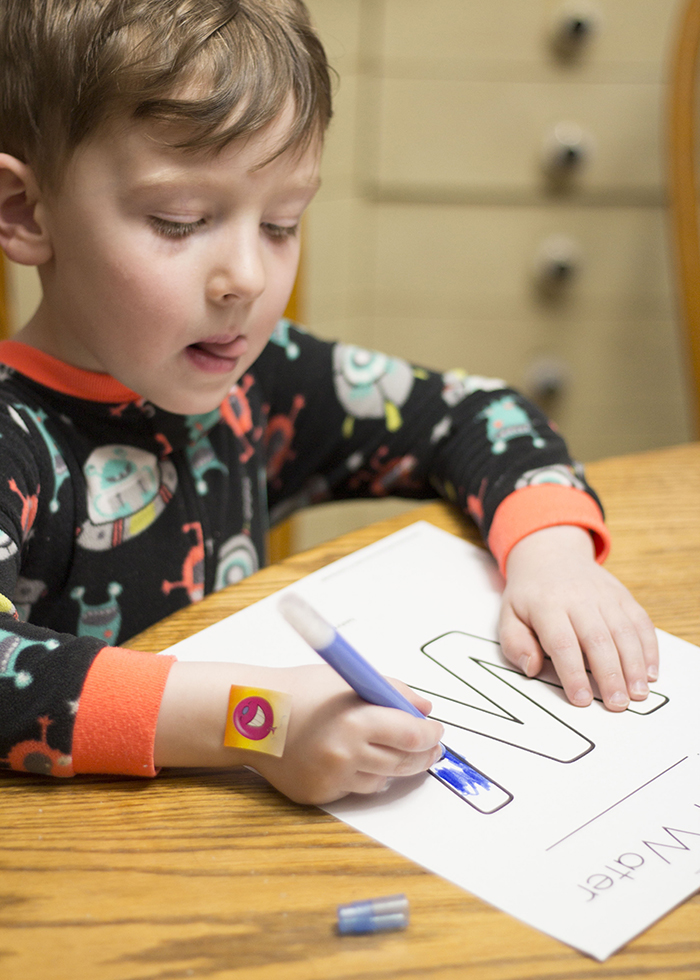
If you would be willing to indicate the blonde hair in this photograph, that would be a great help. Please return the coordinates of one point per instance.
(220, 69)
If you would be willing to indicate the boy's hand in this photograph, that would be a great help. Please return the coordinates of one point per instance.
(338, 744)
(558, 601)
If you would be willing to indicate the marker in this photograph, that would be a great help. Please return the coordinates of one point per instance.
(468, 782)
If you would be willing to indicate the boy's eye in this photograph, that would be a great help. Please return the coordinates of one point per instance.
(175, 229)
(280, 232)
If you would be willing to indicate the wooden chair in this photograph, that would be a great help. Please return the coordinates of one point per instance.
(682, 137)
(280, 539)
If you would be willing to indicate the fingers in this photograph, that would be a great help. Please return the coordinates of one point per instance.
(366, 748)
(648, 639)
(392, 744)
(367, 783)
(615, 656)
(386, 765)
(519, 643)
(400, 744)
(608, 632)
(559, 640)
(619, 643)
(417, 700)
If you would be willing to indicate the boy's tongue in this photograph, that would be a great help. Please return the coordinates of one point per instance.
(222, 348)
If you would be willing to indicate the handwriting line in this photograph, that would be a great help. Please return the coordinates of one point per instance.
(612, 806)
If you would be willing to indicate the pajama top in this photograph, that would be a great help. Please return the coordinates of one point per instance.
(115, 513)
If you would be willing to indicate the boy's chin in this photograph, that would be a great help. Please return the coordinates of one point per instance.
(178, 404)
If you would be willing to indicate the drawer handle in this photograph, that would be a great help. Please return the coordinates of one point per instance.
(546, 380)
(575, 24)
(567, 148)
(557, 262)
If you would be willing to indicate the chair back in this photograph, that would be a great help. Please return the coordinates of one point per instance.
(683, 190)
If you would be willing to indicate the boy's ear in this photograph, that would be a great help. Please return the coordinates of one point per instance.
(23, 235)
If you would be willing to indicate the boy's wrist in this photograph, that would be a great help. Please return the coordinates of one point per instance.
(194, 710)
(544, 506)
(549, 544)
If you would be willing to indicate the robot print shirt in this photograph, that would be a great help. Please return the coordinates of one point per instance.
(114, 513)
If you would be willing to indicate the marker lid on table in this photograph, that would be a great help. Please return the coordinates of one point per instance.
(374, 915)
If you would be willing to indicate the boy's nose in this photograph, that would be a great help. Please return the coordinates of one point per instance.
(239, 274)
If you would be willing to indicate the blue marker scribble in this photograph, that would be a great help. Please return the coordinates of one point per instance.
(460, 775)
(469, 784)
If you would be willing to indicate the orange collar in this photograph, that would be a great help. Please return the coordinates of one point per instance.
(65, 378)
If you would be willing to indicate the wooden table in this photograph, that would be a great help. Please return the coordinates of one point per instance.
(213, 875)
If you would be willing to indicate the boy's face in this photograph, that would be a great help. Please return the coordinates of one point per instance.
(170, 269)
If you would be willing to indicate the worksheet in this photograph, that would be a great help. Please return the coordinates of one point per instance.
(587, 826)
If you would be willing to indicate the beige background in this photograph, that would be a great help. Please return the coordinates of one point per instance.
(427, 237)
(436, 206)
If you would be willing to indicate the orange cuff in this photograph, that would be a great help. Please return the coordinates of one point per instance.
(545, 505)
(115, 726)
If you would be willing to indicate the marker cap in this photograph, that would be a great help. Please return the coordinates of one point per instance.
(373, 915)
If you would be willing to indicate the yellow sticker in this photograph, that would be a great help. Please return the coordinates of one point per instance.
(257, 719)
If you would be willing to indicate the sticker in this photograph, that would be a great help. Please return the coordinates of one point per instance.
(257, 719)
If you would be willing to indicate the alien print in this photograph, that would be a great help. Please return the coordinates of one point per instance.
(115, 513)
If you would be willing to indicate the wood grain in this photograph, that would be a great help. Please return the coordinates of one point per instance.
(215, 875)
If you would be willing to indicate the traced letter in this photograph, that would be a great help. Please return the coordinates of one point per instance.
(491, 701)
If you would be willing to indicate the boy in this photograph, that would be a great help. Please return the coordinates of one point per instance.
(156, 159)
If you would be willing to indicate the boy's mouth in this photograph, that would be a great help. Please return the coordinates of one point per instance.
(217, 354)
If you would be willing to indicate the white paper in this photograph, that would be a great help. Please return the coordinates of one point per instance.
(602, 835)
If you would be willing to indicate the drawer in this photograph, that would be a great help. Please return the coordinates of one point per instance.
(513, 36)
(627, 387)
(479, 262)
(494, 348)
(624, 389)
(476, 138)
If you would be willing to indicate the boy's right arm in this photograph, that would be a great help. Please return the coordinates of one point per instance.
(68, 703)
(336, 743)
(71, 704)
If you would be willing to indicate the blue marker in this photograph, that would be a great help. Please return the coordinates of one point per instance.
(471, 785)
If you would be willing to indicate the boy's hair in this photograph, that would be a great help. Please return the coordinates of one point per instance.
(221, 68)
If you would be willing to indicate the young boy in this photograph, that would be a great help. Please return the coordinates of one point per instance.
(156, 158)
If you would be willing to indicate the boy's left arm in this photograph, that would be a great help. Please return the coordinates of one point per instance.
(373, 425)
(545, 527)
